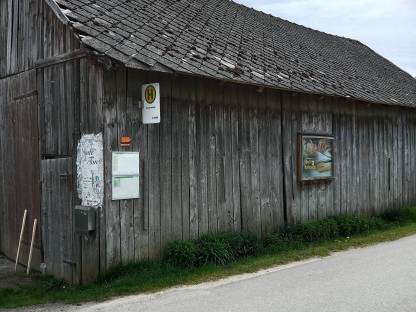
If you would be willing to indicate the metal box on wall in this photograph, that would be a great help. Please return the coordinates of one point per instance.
(85, 219)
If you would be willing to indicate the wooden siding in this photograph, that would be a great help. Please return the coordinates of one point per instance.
(19, 164)
(57, 220)
(374, 169)
(224, 158)
(213, 164)
(30, 31)
(70, 96)
(37, 104)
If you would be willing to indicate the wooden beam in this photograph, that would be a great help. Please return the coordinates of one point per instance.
(58, 12)
(25, 95)
(50, 61)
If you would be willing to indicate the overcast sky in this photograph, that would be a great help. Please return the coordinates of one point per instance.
(387, 26)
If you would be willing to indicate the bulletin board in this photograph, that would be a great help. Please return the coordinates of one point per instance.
(125, 175)
(315, 157)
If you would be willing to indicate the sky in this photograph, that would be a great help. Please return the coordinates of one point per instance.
(386, 26)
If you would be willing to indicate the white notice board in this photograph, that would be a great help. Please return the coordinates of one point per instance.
(126, 163)
(125, 175)
(125, 187)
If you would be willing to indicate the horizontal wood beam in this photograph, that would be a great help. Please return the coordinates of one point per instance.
(26, 95)
(54, 60)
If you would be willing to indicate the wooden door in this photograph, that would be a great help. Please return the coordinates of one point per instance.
(57, 217)
(19, 165)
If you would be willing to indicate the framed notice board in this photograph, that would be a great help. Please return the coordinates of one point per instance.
(125, 175)
(315, 157)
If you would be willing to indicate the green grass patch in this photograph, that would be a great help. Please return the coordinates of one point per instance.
(217, 256)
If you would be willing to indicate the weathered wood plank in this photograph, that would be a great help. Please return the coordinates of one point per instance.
(276, 161)
(203, 143)
(228, 205)
(176, 130)
(235, 159)
(185, 119)
(193, 176)
(126, 206)
(112, 209)
(212, 186)
(166, 162)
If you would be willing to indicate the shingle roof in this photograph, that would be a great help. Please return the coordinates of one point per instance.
(224, 40)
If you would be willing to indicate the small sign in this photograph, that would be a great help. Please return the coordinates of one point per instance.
(151, 103)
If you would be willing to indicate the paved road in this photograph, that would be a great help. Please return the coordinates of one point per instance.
(379, 278)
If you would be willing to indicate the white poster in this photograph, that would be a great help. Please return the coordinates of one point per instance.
(151, 103)
(90, 170)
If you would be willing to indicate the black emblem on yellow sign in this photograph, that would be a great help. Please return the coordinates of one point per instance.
(150, 94)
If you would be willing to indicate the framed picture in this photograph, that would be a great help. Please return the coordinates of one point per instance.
(315, 157)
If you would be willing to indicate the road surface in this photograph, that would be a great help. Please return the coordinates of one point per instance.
(378, 278)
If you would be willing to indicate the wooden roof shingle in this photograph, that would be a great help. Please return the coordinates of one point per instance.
(224, 40)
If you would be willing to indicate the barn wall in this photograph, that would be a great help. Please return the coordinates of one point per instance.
(70, 96)
(43, 113)
(51, 89)
(213, 164)
(19, 164)
(30, 31)
(373, 163)
(224, 158)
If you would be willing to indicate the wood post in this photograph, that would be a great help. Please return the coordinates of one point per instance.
(35, 223)
(20, 240)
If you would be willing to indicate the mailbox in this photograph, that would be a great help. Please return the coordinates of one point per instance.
(85, 219)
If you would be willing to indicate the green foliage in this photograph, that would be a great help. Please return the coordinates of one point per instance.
(350, 225)
(223, 248)
(333, 227)
(403, 215)
(182, 253)
(242, 244)
(281, 241)
(318, 230)
(214, 249)
(217, 249)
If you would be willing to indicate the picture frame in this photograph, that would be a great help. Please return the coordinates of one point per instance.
(315, 157)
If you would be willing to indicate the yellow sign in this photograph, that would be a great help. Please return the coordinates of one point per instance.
(151, 103)
(150, 94)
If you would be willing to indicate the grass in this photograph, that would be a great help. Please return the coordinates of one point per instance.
(153, 276)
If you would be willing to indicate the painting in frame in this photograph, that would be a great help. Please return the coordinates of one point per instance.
(315, 157)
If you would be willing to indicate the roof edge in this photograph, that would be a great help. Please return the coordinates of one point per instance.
(58, 11)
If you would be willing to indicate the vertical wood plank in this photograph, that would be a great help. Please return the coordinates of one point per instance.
(112, 209)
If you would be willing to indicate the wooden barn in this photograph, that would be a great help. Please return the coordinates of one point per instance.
(174, 118)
